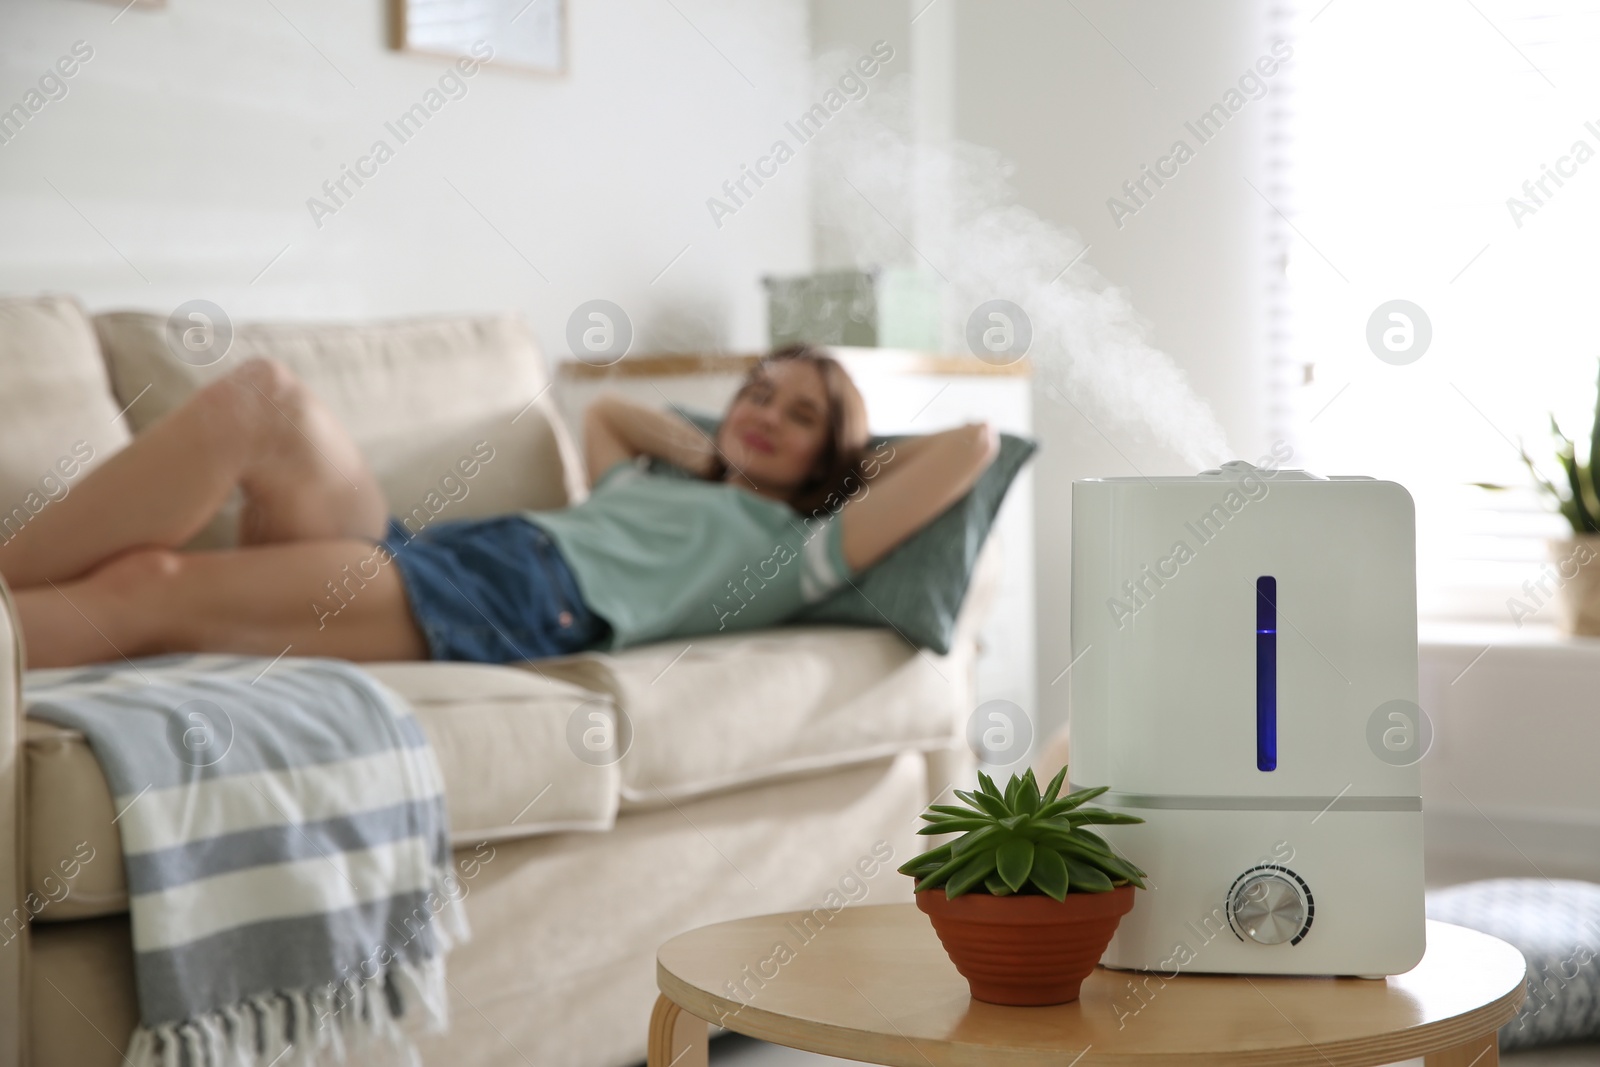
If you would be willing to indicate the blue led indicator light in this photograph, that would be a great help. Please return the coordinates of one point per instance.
(1267, 673)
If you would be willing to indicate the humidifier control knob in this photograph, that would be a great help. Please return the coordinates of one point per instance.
(1270, 906)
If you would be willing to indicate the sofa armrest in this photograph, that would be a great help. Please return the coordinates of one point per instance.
(13, 915)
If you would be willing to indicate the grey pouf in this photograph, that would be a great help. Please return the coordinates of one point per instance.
(1556, 925)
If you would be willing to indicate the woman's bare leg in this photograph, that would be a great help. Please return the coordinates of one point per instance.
(319, 598)
(260, 429)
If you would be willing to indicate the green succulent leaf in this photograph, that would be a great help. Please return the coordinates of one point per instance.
(955, 826)
(951, 809)
(973, 871)
(1544, 483)
(996, 886)
(941, 873)
(1028, 794)
(1070, 842)
(1011, 792)
(933, 856)
(1014, 861)
(1071, 800)
(983, 802)
(1054, 789)
(1594, 451)
(1050, 873)
(1097, 815)
(1578, 499)
(1119, 865)
(1088, 877)
(1074, 851)
(1119, 868)
(988, 837)
(1580, 516)
(1576, 493)
(1093, 839)
(986, 784)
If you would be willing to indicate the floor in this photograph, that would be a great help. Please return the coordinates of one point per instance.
(735, 1050)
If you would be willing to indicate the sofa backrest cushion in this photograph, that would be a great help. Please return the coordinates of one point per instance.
(57, 413)
(426, 400)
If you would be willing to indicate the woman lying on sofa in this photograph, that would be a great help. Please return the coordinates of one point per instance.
(784, 506)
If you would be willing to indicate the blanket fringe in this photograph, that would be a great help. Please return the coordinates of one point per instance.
(367, 1020)
(331, 1024)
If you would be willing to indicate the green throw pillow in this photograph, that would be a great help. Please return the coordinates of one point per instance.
(917, 589)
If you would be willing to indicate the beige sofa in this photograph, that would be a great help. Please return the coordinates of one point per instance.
(763, 768)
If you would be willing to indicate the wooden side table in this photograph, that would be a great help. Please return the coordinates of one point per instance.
(874, 984)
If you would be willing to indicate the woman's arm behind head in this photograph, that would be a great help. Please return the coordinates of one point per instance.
(617, 429)
(911, 487)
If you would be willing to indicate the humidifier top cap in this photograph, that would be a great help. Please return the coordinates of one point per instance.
(1235, 470)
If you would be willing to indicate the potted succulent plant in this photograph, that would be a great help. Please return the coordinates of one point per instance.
(1025, 901)
(1576, 496)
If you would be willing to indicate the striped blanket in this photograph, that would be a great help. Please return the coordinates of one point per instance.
(286, 849)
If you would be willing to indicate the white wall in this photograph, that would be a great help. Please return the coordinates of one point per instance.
(1042, 84)
(1038, 82)
(194, 136)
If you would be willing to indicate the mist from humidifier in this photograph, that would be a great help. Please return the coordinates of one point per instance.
(949, 209)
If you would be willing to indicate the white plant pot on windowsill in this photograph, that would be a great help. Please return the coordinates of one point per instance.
(1577, 566)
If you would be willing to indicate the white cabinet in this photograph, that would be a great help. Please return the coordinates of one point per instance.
(906, 392)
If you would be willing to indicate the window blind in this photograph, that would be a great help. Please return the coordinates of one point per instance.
(1445, 153)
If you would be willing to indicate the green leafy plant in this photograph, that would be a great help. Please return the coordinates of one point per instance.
(1578, 498)
(1022, 841)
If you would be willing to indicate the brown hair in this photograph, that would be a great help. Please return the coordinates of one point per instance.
(845, 434)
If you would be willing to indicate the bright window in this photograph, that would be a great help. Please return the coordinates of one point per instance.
(1402, 133)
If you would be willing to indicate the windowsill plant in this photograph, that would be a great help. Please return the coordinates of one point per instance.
(1576, 495)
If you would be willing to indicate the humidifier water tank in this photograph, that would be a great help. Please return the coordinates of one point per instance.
(1244, 645)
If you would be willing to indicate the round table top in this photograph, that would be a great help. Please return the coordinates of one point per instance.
(874, 984)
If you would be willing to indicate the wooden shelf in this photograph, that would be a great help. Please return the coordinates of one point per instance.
(858, 361)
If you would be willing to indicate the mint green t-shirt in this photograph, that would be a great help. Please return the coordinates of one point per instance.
(659, 556)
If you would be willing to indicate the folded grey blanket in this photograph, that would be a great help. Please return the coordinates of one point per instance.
(287, 853)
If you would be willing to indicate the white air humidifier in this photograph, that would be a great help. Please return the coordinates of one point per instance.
(1244, 645)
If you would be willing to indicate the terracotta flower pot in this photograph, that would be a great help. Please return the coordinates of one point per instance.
(1025, 950)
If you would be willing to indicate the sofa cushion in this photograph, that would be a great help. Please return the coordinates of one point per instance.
(501, 738)
(919, 587)
(423, 398)
(716, 712)
(57, 413)
(1555, 924)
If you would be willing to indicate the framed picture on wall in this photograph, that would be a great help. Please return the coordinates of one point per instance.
(529, 35)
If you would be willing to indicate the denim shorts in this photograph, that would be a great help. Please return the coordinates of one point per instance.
(492, 591)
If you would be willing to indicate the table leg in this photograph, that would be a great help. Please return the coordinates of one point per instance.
(678, 1039)
(1481, 1051)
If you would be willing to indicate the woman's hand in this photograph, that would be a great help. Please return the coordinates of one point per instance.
(911, 487)
(617, 429)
